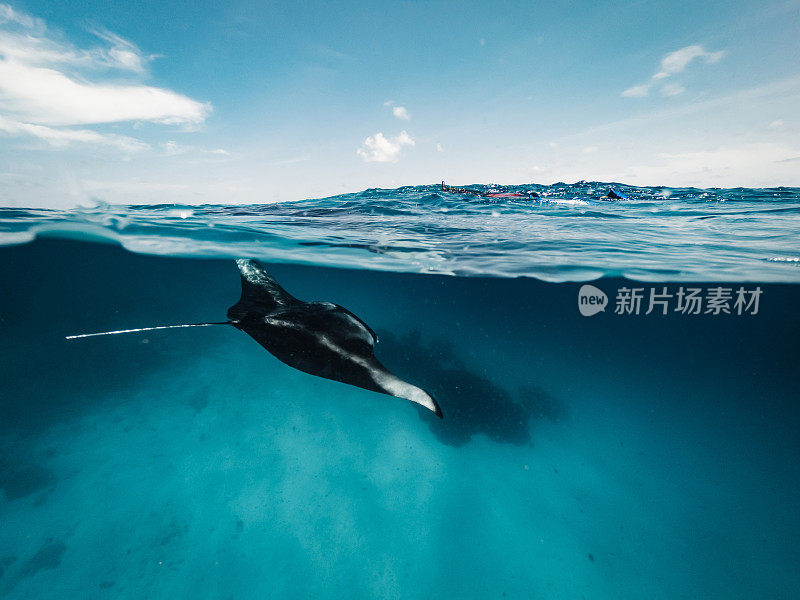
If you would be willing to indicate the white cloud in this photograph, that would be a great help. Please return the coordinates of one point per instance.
(122, 54)
(48, 96)
(439, 148)
(46, 82)
(672, 89)
(776, 124)
(65, 137)
(9, 15)
(25, 39)
(753, 98)
(744, 164)
(672, 64)
(637, 91)
(173, 148)
(676, 62)
(378, 148)
(590, 149)
(401, 113)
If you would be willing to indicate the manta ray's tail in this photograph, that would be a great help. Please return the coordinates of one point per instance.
(86, 335)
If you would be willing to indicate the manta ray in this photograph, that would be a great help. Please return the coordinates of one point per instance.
(318, 338)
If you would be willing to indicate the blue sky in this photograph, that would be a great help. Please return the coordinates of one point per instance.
(259, 102)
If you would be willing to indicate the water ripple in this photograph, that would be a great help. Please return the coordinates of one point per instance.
(570, 233)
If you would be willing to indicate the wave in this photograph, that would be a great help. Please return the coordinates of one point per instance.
(571, 232)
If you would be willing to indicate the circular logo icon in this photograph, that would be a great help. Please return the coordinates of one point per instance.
(591, 300)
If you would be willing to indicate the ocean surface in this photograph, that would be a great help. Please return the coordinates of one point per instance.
(619, 381)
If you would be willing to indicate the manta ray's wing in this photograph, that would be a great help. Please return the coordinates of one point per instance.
(370, 332)
(260, 292)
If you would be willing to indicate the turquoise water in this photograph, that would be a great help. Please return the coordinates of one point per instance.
(618, 455)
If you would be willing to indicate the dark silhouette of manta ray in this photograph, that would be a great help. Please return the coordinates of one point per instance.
(319, 338)
(476, 404)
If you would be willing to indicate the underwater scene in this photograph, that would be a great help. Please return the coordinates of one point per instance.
(617, 380)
